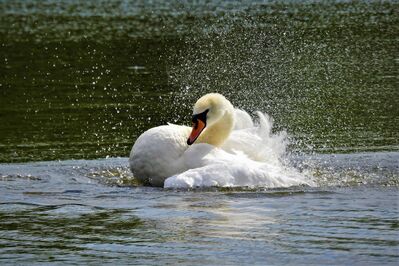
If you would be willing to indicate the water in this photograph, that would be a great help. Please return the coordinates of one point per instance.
(84, 211)
(79, 81)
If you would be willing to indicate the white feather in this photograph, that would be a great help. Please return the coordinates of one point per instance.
(250, 156)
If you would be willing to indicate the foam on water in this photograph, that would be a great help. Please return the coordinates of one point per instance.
(328, 170)
(251, 157)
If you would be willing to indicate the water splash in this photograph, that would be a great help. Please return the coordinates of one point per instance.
(302, 72)
(250, 157)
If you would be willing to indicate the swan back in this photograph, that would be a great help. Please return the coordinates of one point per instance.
(157, 153)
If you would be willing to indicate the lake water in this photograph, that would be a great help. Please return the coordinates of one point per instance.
(81, 80)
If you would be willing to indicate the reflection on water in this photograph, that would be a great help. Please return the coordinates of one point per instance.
(80, 211)
(337, 227)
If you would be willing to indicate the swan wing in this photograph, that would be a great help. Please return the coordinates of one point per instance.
(242, 119)
(222, 169)
(157, 153)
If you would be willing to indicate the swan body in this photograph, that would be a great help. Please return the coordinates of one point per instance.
(223, 148)
(157, 153)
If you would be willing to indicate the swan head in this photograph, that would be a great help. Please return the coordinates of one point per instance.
(213, 119)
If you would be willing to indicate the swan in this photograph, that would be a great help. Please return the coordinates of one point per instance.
(222, 148)
(158, 152)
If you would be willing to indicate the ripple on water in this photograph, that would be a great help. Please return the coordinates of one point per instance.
(76, 211)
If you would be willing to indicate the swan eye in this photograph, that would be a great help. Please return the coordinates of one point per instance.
(200, 116)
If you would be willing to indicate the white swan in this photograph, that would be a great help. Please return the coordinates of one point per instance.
(229, 150)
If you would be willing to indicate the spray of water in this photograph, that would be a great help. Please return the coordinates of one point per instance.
(251, 157)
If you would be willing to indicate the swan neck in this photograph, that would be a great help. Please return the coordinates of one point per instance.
(217, 133)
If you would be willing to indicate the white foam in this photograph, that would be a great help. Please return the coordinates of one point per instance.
(251, 157)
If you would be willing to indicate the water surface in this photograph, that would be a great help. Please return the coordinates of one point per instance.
(87, 211)
(81, 80)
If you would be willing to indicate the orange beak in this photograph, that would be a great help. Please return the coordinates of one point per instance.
(198, 126)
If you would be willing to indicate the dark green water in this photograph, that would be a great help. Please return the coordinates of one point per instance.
(83, 79)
